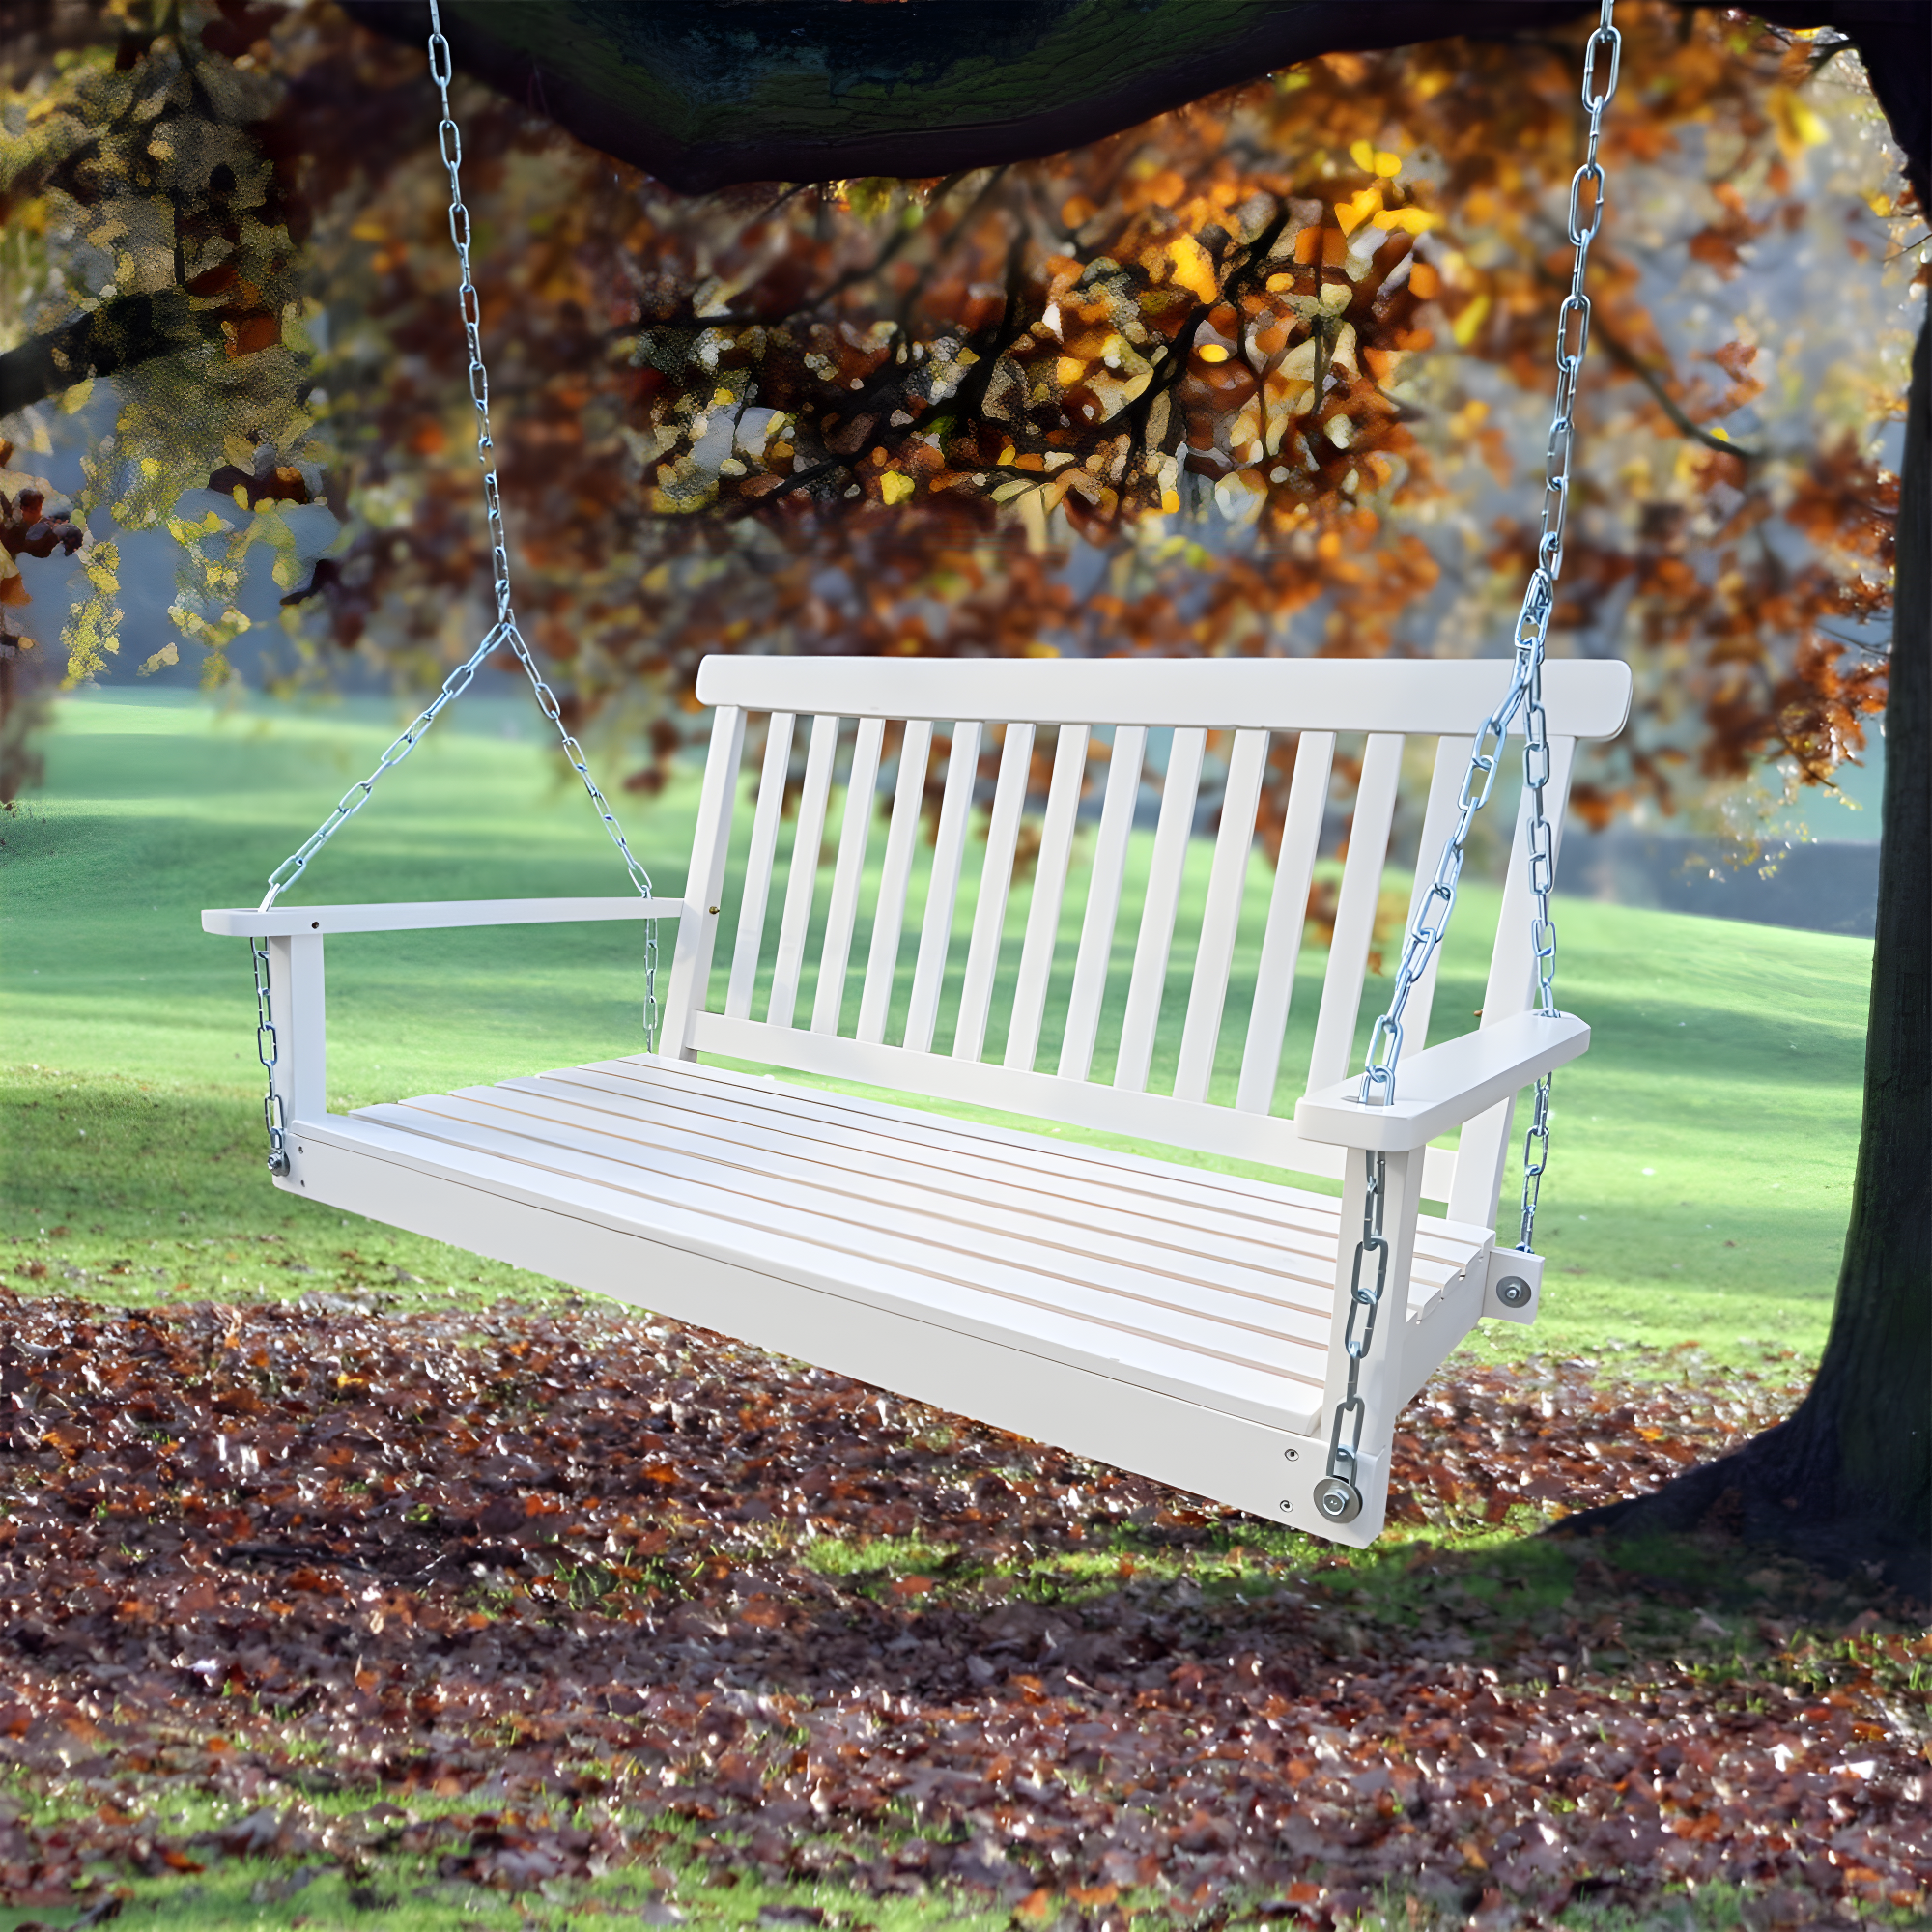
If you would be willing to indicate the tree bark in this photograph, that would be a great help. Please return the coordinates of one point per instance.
(703, 94)
(1847, 1481)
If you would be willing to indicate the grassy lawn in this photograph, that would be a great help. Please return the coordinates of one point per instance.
(1704, 1148)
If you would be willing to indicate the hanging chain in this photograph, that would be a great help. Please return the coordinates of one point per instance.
(275, 1117)
(1337, 1496)
(503, 633)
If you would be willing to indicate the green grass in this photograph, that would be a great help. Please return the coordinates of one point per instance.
(1704, 1148)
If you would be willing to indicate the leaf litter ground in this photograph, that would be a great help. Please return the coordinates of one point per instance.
(546, 1609)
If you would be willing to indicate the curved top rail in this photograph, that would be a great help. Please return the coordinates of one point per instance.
(1584, 699)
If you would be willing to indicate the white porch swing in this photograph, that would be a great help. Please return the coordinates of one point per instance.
(1248, 1341)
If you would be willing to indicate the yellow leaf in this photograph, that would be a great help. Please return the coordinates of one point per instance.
(1193, 268)
(1349, 215)
(1464, 328)
(1797, 124)
(1387, 165)
(1363, 155)
(1410, 221)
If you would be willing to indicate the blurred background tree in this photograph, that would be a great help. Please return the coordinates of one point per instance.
(1266, 373)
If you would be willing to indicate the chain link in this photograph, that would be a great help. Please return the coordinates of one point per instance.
(1588, 198)
(502, 635)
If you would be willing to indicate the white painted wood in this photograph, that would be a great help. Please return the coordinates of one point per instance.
(1094, 1182)
(1177, 1439)
(897, 1226)
(425, 916)
(1283, 1261)
(296, 999)
(996, 876)
(1103, 901)
(1484, 1143)
(704, 882)
(861, 797)
(758, 864)
(1179, 789)
(1049, 893)
(1288, 916)
(942, 892)
(1355, 910)
(1428, 1342)
(1221, 916)
(1044, 1097)
(802, 872)
(846, 1258)
(889, 917)
(1442, 1087)
(1585, 699)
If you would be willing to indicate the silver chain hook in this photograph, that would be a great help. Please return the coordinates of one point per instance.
(1338, 1495)
(503, 634)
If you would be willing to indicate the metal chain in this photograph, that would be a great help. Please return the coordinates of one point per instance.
(275, 1117)
(1338, 1495)
(503, 634)
(1526, 696)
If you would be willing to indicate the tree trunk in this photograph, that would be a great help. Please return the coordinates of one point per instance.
(1847, 1481)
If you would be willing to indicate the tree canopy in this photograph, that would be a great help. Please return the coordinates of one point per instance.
(1264, 373)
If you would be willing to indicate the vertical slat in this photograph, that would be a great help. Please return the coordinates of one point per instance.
(758, 865)
(705, 883)
(801, 875)
(996, 877)
(1288, 913)
(1103, 901)
(942, 895)
(1221, 917)
(861, 795)
(1439, 821)
(1485, 1141)
(1049, 891)
(1182, 786)
(1355, 909)
(882, 963)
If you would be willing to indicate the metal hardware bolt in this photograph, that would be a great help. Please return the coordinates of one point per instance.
(1293, 1454)
(1286, 1507)
(714, 910)
(1338, 1500)
(1513, 1292)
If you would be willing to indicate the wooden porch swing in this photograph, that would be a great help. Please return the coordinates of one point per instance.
(1247, 1339)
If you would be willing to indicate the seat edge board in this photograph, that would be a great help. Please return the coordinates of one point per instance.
(845, 1281)
(1230, 1458)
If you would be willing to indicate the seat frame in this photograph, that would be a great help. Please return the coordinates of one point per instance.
(592, 1175)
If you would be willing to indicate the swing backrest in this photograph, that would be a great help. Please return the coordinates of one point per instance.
(885, 966)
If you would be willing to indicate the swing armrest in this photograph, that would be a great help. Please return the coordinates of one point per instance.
(299, 921)
(1443, 1085)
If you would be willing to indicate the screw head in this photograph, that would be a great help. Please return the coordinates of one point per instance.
(1513, 1292)
(1293, 1454)
(1338, 1500)
(1286, 1507)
